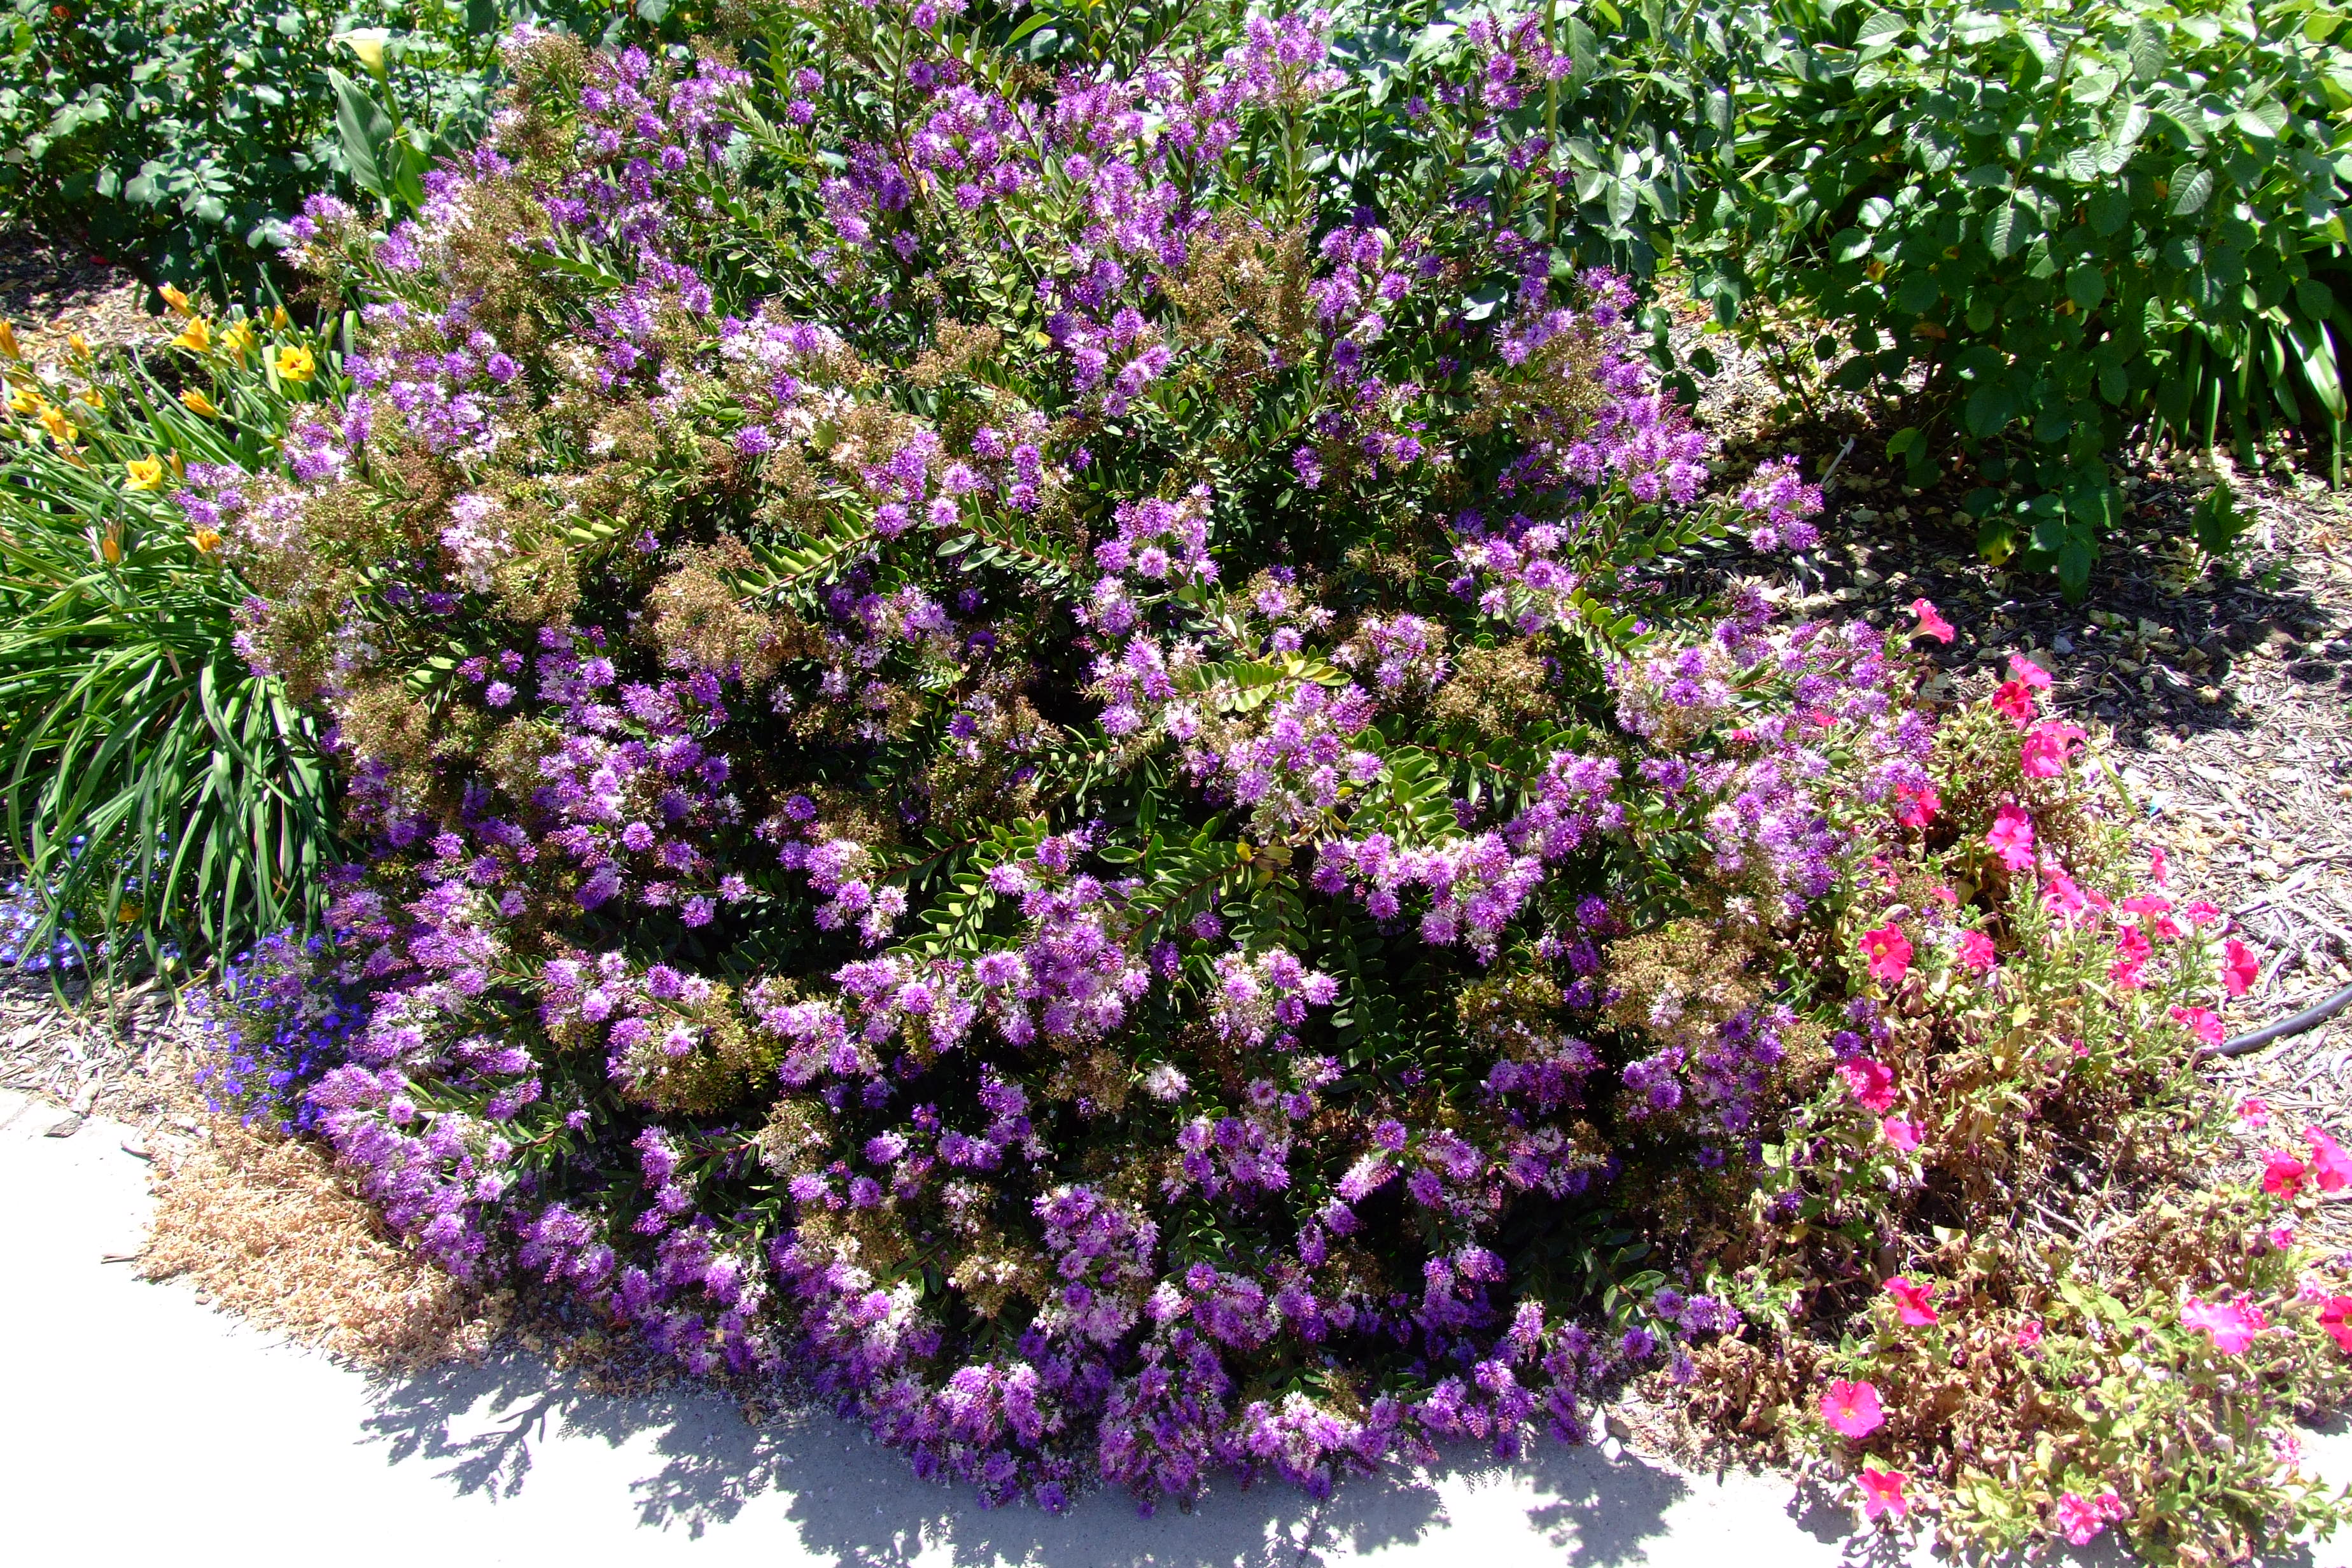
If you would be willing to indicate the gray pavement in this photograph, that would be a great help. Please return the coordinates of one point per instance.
(137, 1425)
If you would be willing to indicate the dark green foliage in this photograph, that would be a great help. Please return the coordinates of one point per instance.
(177, 136)
(2075, 224)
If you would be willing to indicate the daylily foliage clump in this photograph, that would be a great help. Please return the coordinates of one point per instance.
(1046, 742)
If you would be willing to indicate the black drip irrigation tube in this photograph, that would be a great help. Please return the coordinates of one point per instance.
(2311, 1017)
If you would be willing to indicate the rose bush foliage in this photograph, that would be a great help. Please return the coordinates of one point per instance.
(1048, 742)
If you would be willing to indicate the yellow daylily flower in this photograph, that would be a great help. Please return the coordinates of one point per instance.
(59, 428)
(177, 300)
(78, 345)
(205, 540)
(240, 339)
(196, 336)
(92, 397)
(25, 400)
(278, 318)
(146, 473)
(295, 363)
(8, 339)
(197, 402)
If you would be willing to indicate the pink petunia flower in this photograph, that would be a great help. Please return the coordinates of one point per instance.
(1918, 804)
(2253, 1112)
(2240, 967)
(2011, 837)
(2080, 1519)
(1931, 622)
(2132, 949)
(2015, 698)
(1870, 1081)
(2200, 913)
(2282, 1173)
(1882, 1492)
(1912, 1302)
(1901, 1133)
(2160, 870)
(2043, 755)
(1889, 951)
(2028, 1337)
(1852, 1409)
(2063, 898)
(2230, 1325)
(2329, 1164)
(2027, 673)
(2335, 1317)
(2206, 1024)
(2155, 915)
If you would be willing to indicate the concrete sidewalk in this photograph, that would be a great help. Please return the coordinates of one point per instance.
(142, 1427)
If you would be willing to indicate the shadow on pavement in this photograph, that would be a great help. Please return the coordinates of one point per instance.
(702, 1465)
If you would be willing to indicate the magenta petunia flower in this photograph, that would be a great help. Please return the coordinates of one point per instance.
(1881, 1493)
(2334, 1313)
(2329, 1165)
(1902, 1134)
(1916, 805)
(2230, 1325)
(2080, 1519)
(1978, 953)
(1870, 1082)
(1889, 951)
(2205, 1024)
(2043, 755)
(1913, 1301)
(2282, 1173)
(2011, 836)
(2240, 967)
(1931, 622)
(1852, 1409)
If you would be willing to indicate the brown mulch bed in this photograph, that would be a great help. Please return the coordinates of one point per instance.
(49, 292)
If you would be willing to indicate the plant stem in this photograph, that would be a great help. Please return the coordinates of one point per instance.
(1551, 126)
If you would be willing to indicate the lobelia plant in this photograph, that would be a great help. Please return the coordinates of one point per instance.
(1020, 754)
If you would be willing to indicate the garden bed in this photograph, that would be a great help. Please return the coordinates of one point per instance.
(1443, 904)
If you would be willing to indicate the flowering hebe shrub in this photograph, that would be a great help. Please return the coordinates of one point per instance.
(1029, 755)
